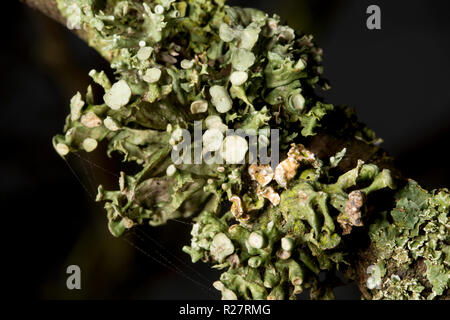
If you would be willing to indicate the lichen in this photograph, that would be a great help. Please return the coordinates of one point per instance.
(280, 250)
(175, 66)
(417, 238)
(271, 229)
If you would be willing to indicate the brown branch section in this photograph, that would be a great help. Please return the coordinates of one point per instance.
(325, 145)
(50, 9)
(47, 7)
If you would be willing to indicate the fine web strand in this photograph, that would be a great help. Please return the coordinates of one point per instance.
(184, 275)
(172, 254)
(89, 178)
(97, 165)
(91, 195)
(170, 265)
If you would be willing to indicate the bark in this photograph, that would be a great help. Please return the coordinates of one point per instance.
(50, 9)
(47, 7)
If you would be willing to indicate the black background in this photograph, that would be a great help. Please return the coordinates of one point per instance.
(396, 78)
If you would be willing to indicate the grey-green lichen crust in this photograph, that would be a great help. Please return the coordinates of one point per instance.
(177, 62)
(416, 239)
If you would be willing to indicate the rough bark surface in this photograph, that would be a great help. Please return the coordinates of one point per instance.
(50, 9)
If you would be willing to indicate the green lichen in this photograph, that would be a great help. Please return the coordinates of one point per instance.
(282, 249)
(418, 237)
(166, 59)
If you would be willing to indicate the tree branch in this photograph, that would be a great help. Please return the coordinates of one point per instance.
(50, 9)
(47, 7)
(323, 145)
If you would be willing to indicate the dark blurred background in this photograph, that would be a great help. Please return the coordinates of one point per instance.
(396, 78)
